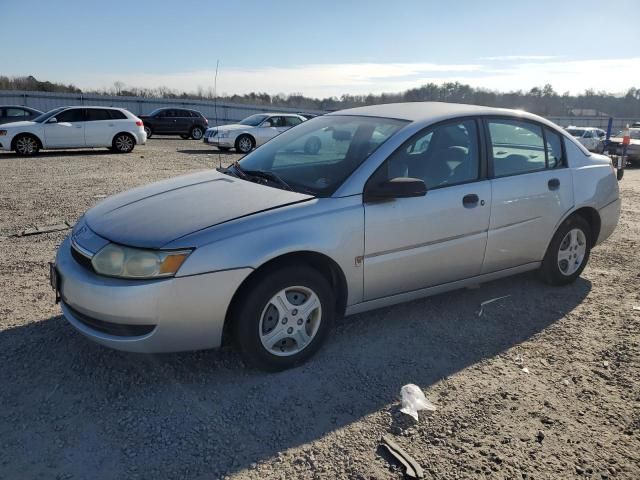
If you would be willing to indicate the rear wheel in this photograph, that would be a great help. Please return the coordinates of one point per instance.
(197, 133)
(244, 144)
(148, 130)
(123, 143)
(568, 252)
(283, 317)
(26, 145)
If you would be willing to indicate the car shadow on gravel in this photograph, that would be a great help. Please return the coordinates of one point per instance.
(63, 153)
(90, 409)
(208, 152)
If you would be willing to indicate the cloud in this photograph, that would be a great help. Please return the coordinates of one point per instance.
(514, 58)
(322, 80)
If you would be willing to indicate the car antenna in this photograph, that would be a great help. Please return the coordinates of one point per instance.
(215, 109)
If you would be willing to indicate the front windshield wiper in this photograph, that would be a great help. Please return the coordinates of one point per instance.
(268, 175)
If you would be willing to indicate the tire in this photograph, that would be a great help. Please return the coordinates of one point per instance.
(148, 130)
(312, 145)
(245, 143)
(197, 132)
(568, 252)
(257, 316)
(123, 143)
(184, 137)
(26, 145)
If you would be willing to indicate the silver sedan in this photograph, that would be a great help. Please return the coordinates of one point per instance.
(393, 203)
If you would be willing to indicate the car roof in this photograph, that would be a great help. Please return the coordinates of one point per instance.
(429, 112)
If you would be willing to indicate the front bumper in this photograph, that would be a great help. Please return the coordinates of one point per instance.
(219, 142)
(149, 316)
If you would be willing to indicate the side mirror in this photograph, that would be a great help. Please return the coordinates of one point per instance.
(399, 187)
(52, 120)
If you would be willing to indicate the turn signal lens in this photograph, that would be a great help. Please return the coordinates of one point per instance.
(172, 263)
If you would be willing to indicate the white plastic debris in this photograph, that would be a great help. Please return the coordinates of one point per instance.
(525, 370)
(636, 308)
(413, 400)
(487, 302)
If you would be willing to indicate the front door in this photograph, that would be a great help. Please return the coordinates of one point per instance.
(414, 243)
(532, 190)
(267, 130)
(67, 131)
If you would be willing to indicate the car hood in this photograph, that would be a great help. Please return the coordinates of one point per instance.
(234, 126)
(19, 124)
(156, 214)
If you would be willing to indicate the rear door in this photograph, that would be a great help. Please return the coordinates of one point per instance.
(532, 188)
(68, 131)
(99, 127)
(414, 243)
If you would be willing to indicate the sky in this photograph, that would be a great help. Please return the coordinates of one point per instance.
(324, 48)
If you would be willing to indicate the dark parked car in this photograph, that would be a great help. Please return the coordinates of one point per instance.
(175, 121)
(12, 113)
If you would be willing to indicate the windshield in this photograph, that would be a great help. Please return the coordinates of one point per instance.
(319, 154)
(634, 134)
(45, 116)
(254, 120)
(575, 132)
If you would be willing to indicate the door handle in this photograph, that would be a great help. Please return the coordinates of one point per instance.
(470, 200)
(553, 184)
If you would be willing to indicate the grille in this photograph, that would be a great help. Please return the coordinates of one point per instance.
(115, 329)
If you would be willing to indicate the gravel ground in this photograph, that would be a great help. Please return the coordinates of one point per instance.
(73, 409)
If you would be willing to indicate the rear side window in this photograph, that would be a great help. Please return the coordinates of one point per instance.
(516, 147)
(555, 157)
(73, 115)
(95, 114)
(17, 112)
(292, 121)
(117, 115)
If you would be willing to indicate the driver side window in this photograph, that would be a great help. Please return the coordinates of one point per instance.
(440, 156)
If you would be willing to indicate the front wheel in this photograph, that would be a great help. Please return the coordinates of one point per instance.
(244, 144)
(568, 252)
(283, 317)
(197, 133)
(123, 143)
(26, 145)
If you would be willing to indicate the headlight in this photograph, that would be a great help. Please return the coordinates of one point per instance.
(3, 133)
(118, 261)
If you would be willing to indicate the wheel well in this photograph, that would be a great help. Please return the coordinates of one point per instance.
(253, 140)
(15, 139)
(133, 137)
(592, 217)
(318, 261)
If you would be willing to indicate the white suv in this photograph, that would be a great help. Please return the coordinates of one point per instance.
(251, 132)
(75, 127)
(591, 138)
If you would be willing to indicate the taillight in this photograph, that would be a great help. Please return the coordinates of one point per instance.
(139, 123)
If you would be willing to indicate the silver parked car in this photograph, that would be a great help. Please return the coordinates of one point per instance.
(398, 202)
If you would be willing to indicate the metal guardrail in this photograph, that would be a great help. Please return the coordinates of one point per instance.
(224, 112)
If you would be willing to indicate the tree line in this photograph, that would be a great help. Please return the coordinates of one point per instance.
(540, 100)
